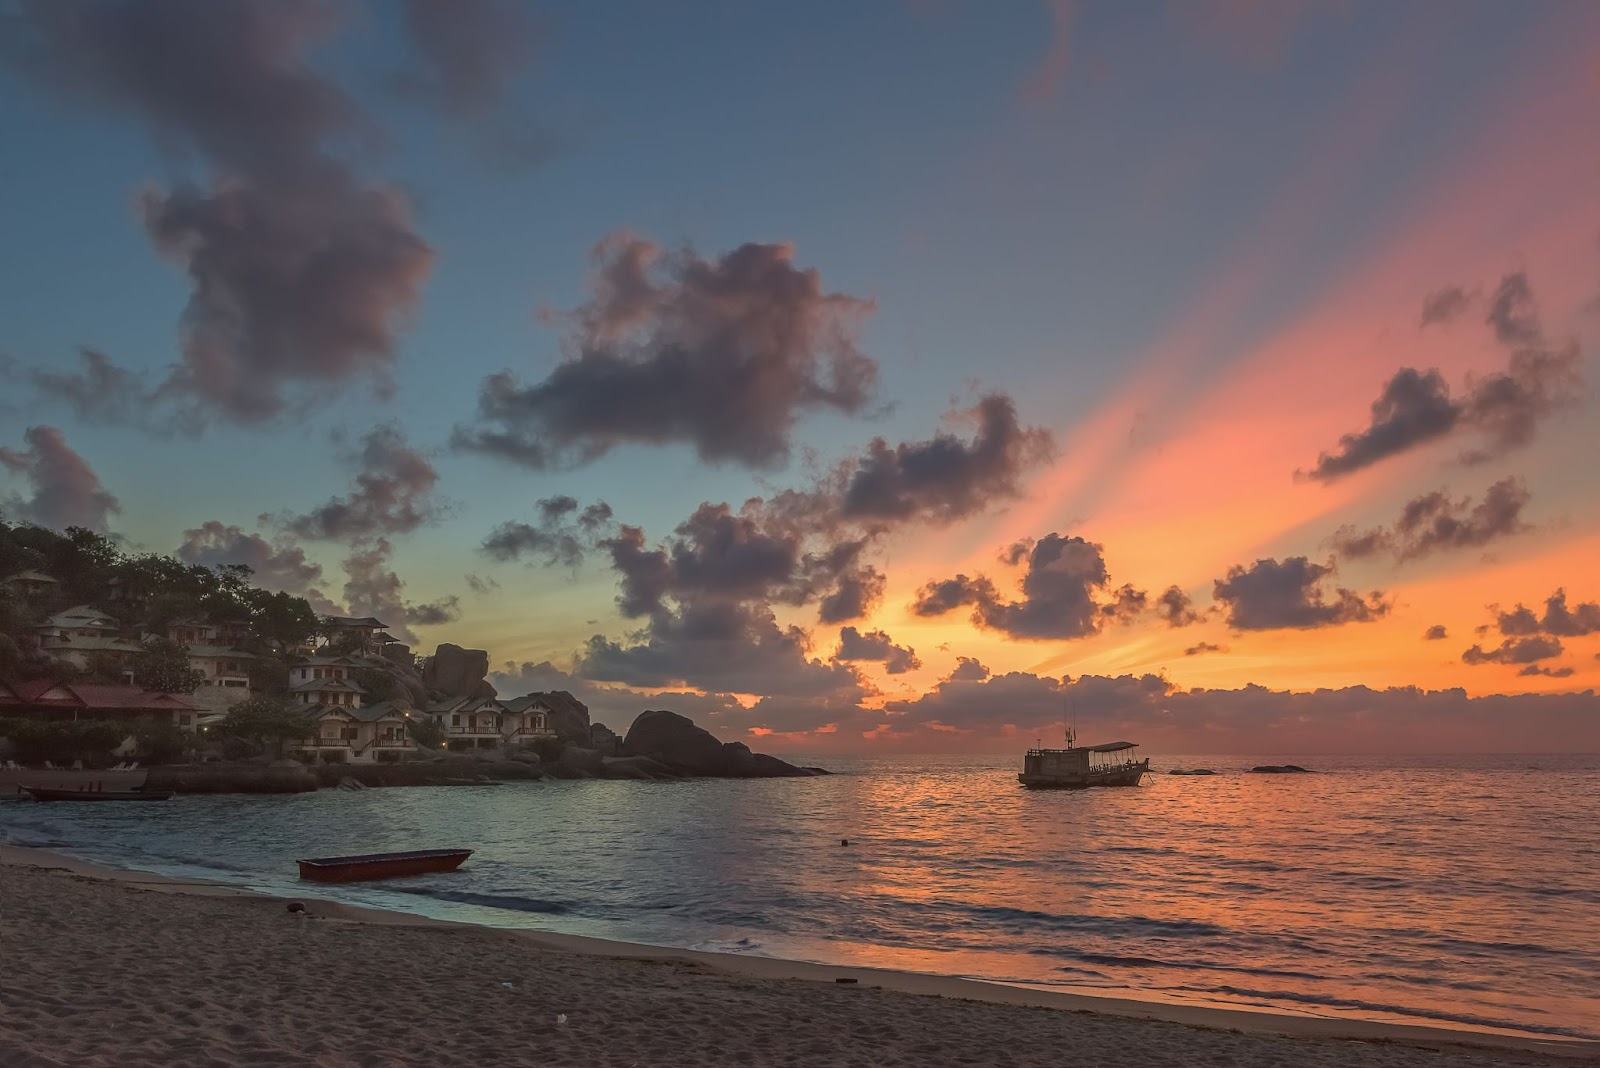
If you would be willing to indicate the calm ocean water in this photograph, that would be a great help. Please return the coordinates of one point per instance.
(1461, 891)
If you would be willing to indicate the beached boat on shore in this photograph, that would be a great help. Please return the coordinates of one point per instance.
(362, 867)
(1080, 767)
(52, 793)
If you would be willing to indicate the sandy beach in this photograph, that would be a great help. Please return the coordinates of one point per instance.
(99, 967)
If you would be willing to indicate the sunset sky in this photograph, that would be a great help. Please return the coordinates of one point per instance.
(846, 376)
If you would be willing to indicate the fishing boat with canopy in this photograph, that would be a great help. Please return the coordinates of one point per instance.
(1078, 767)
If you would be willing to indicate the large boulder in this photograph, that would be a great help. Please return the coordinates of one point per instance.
(569, 717)
(588, 761)
(637, 767)
(686, 749)
(458, 672)
(604, 739)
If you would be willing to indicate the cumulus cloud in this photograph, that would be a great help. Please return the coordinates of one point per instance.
(1559, 620)
(1434, 522)
(1445, 305)
(559, 538)
(1203, 647)
(1548, 672)
(946, 478)
(856, 594)
(393, 494)
(1064, 594)
(275, 565)
(968, 669)
(65, 490)
(1435, 633)
(1175, 608)
(373, 588)
(1514, 651)
(1272, 595)
(1502, 409)
(301, 270)
(875, 645)
(723, 354)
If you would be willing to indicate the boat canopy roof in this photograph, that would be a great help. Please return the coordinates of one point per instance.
(1111, 747)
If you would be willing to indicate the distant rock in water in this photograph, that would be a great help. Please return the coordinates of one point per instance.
(1191, 771)
(674, 742)
(1280, 769)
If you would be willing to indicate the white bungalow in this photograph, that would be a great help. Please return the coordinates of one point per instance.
(527, 719)
(28, 584)
(84, 621)
(374, 734)
(367, 630)
(312, 668)
(470, 722)
(338, 692)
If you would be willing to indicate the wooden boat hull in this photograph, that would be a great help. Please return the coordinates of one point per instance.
(47, 793)
(367, 866)
(1122, 775)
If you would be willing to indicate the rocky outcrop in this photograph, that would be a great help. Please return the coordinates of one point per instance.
(604, 739)
(282, 777)
(457, 672)
(1280, 769)
(685, 749)
(577, 758)
(569, 717)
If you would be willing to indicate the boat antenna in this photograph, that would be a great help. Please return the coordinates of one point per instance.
(1072, 723)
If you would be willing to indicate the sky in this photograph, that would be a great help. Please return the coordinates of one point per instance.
(849, 377)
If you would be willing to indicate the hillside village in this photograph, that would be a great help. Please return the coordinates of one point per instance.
(198, 659)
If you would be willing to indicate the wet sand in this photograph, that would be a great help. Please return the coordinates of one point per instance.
(102, 967)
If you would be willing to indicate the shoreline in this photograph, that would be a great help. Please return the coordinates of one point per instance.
(805, 980)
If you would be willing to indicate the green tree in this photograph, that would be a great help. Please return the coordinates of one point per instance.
(102, 666)
(163, 743)
(269, 675)
(280, 619)
(379, 684)
(426, 731)
(163, 666)
(267, 721)
(62, 741)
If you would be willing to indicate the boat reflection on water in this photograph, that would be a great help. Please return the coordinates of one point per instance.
(1080, 767)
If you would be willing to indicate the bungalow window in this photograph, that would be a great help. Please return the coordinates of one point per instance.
(455, 721)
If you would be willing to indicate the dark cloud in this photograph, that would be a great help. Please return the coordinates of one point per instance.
(1445, 305)
(469, 55)
(1503, 409)
(65, 490)
(875, 645)
(373, 588)
(1063, 594)
(103, 392)
(1514, 651)
(275, 565)
(1435, 633)
(946, 478)
(1273, 595)
(1016, 552)
(1434, 522)
(470, 52)
(1511, 312)
(301, 270)
(1203, 647)
(722, 354)
(1414, 407)
(717, 646)
(968, 669)
(1548, 672)
(560, 539)
(482, 585)
(393, 494)
(1175, 608)
(857, 593)
(1559, 620)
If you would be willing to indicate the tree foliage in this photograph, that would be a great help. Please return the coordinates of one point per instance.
(426, 731)
(267, 721)
(62, 741)
(379, 684)
(163, 666)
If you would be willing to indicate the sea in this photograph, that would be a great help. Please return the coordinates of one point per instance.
(1461, 892)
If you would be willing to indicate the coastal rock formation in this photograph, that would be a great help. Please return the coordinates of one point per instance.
(685, 749)
(569, 717)
(1280, 769)
(457, 672)
(604, 739)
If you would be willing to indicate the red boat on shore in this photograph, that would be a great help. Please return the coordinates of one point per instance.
(381, 865)
(56, 793)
